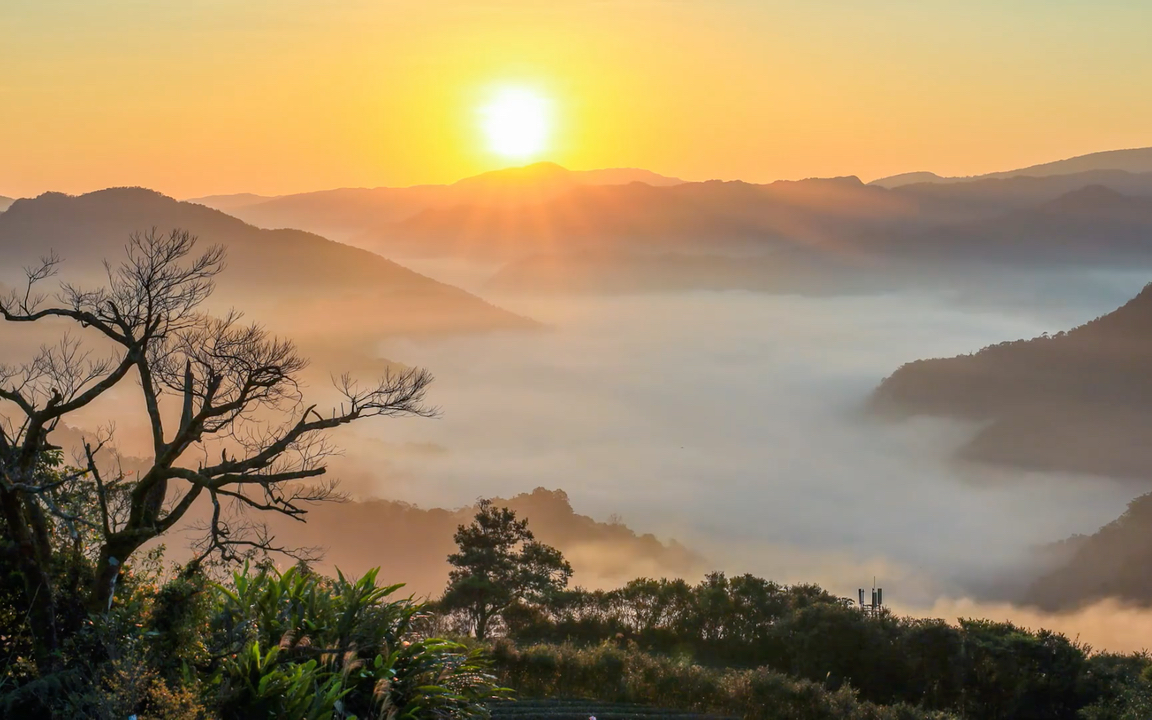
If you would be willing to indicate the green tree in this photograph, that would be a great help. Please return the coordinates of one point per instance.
(210, 387)
(500, 563)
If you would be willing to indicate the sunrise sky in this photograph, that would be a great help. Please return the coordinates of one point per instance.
(193, 97)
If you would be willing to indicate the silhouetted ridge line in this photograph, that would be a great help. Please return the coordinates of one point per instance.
(1136, 160)
(1113, 562)
(1077, 401)
(286, 267)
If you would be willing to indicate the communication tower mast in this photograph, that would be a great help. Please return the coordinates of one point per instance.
(874, 607)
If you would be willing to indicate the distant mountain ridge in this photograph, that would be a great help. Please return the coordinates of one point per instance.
(1134, 160)
(346, 210)
(632, 273)
(282, 271)
(1113, 562)
(1078, 401)
(1093, 225)
(626, 229)
(227, 202)
(908, 178)
(794, 236)
(602, 553)
(552, 173)
(991, 197)
(541, 215)
(5, 203)
(713, 215)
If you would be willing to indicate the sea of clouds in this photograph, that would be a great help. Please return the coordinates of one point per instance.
(733, 422)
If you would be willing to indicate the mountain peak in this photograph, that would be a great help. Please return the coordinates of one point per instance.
(536, 172)
(1131, 160)
(1090, 198)
(908, 178)
(49, 202)
(842, 180)
(1134, 160)
(265, 265)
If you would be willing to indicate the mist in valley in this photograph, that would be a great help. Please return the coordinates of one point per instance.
(733, 423)
(730, 426)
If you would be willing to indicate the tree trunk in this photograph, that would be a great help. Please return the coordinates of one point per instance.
(481, 624)
(108, 566)
(38, 590)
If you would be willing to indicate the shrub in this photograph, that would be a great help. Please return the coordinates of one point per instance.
(613, 674)
(294, 645)
(300, 646)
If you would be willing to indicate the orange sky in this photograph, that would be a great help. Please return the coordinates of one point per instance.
(273, 96)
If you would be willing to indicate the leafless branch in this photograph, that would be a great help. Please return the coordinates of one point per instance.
(235, 386)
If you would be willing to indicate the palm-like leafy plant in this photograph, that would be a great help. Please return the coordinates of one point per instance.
(300, 646)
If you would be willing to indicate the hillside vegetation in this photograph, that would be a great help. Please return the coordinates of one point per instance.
(1078, 401)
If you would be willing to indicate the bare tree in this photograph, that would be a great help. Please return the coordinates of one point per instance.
(211, 388)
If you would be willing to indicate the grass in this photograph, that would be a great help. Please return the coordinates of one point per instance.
(582, 709)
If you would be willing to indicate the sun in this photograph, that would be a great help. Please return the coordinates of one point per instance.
(517, 123)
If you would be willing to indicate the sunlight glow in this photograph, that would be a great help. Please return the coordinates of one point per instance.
(516, 123)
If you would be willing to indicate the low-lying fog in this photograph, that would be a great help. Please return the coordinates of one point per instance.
(731, 422)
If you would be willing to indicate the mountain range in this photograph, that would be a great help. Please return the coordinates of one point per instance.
(340, 212)
(5, 203)
(337, 301)
(603, 554)
(1078, 401)
(1134, 160)
(991, 197)
(834, 215)
(548, 229)
(787, 270)
(1094, 225)
(811, 236)
(1113, 562)
(545, 228)
(730, 217)
(232, 201)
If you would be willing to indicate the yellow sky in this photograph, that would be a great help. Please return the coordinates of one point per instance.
(273, 96)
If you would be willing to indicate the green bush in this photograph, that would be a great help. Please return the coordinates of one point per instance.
(627, 675)
(265, 644)
(300, 646)
(975, 668)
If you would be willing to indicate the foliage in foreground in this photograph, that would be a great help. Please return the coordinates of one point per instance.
(294, 645)
(628, 675)
(207, 384)
(975, 668)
